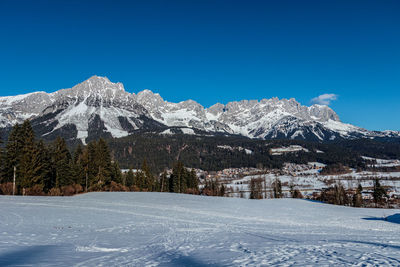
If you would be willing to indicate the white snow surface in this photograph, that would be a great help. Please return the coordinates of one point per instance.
(167, 132)
(188, 131)
(289, 149)
(163, 229)
(239, 148)
(383, 162)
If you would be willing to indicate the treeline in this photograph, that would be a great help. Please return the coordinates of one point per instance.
(338, 195)
(259, 189)
(181, 180)
(50, 169)
(335, 169)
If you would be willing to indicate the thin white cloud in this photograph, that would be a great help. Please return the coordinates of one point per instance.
(324, 99)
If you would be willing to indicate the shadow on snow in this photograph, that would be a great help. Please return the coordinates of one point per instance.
(395, 218)
(187, 261)
(27, 256)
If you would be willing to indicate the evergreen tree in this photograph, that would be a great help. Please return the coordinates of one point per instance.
(177, 178)
(91, 164)
(156, 185)
(116, 174)
(379, 192)
(78, 167)
(148, 178)
(19, 151)
(183, 178)
(101, 179)
(78, 154)
(103, 162)
(252, 188)
(139, 179)
(26, 172)
(357, 197)
(61, 163)
(13, 153)
(130, 178)
(193, 182)
(41, 167)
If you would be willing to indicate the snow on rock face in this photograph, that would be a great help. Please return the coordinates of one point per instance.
(122, 112)
(267, 118)
(16, 109)
(165, 229)
(94, 99)
(97, 98)
(322, 113)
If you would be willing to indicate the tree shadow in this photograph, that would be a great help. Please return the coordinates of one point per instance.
(26, 256)
(312, 200)
(189, 261)
(373, 244)
(395, 218)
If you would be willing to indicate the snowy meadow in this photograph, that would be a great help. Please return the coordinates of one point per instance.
(165, 229)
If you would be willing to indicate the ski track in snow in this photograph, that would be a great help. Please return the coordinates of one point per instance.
(162, 229)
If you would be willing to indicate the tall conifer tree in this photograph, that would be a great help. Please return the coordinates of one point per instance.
(78, 166)
(26, 172)
(116, 175)
(13, 153)
(61, 161)
(148, 178)
(103, 160)
(130, 178)
(41, 166)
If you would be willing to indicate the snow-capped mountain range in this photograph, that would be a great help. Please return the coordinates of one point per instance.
(98, 107)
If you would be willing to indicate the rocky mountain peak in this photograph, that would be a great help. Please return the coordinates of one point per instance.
(323, 113)
(98, 107)
(150, 100)
(96, 85)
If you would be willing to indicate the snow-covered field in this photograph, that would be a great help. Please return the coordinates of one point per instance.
(151, 229)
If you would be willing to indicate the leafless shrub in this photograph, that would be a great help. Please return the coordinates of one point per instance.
(6, 188)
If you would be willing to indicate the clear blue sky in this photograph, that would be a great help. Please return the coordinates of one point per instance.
(212, 51)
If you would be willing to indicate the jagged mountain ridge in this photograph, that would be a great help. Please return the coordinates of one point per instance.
(99, 108)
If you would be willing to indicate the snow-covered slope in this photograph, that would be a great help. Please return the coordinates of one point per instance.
(98, 107)
(165, 229)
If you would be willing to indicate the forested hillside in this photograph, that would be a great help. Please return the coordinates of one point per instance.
(218, 152)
